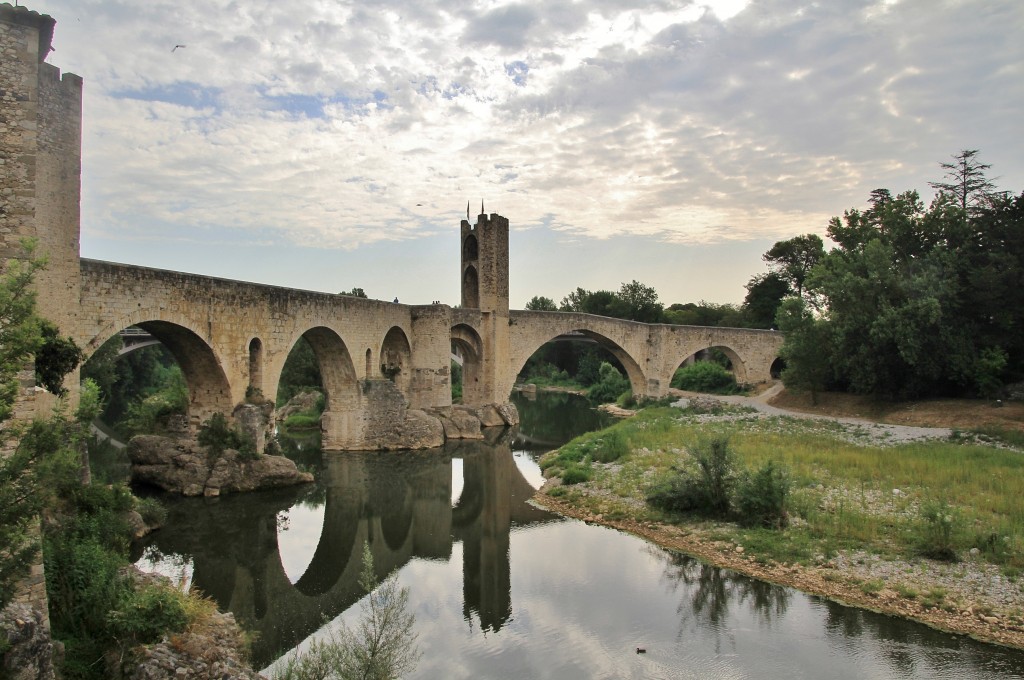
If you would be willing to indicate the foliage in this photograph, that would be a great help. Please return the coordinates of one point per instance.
(792, 260)
(705, 314)
(55, 358)
(456, 377)
(381, 647)
(939, 531)
(302, 421)
(167, 397)
(301, 372)
(45, 453)
(806, 348)
(705, 376)
(634, 301)
(218, 436)
(20, 334)
(765, 293)
(609, 386)
(94, 605)
(539, 303)
(355, 292)
(151, 510)
(703, 486)
(761, 496)
(966, 181)
(918, 301)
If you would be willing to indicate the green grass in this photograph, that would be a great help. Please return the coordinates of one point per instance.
(842, 492)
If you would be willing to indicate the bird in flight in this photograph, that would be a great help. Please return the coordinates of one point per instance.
(176, 47)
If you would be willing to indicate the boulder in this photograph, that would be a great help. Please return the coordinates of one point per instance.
(25, 637)
(182, 466)
(460, 423)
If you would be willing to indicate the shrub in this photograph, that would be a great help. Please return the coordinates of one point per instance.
(216, 435)
(610, 385)
(705, 376)
(152, 511)
(939, 530)
(576, 474)
(761, 496)
(703, 486)
(611, 447)
(144, 616)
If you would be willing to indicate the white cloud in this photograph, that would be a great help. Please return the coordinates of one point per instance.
(335, 124)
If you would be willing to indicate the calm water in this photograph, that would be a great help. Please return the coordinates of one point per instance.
(503, 589)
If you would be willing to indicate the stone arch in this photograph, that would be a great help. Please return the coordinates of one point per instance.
(396, 359)
(635, 374)
(208, 385)
(470, 289)
(470, 347)
(369, 363)
(256, 365)
(778, 365)
(738, 366)
(337, 371)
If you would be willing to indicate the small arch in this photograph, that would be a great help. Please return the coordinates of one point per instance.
(470, 249)
(396, 359)
(369, 363)
(777, 367)
(256, 366)
(721, 354)
(466, 343)
(470, 289)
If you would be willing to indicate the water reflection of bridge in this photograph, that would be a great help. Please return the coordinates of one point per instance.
(400, 505)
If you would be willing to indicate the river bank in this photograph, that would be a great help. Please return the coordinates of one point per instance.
(972, 597)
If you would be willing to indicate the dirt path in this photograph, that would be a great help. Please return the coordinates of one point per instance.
(864, 429)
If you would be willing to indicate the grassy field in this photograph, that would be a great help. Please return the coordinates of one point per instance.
(849, 490)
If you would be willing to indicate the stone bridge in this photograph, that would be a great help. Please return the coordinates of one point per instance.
(384, 365)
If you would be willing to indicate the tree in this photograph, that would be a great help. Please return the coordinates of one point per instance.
(966, 181)
(638, 302)
(793, 259)
(765, 293)
(539, 303)
(381, 647)
(806, 348)
(355, 292)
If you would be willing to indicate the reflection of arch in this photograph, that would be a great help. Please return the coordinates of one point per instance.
(396, 359)
(470, 348)
(470, 289)
(256, 364)
(209, 391)
(336, 368)
(470, 249)
(637, 379)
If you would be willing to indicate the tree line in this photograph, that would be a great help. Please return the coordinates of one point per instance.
(910, 301)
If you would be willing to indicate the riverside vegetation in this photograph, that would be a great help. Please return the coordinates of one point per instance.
(931, 530)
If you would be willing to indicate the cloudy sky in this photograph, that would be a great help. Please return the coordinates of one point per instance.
(326, 144)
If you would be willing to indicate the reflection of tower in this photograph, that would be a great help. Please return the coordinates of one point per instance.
(484, 518)
(485, 287)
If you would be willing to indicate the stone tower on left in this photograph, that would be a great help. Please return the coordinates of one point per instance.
(40, 162)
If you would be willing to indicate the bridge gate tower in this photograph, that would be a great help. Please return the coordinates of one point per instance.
(485, 288)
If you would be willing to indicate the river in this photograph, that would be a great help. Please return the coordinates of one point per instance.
(501, 588)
